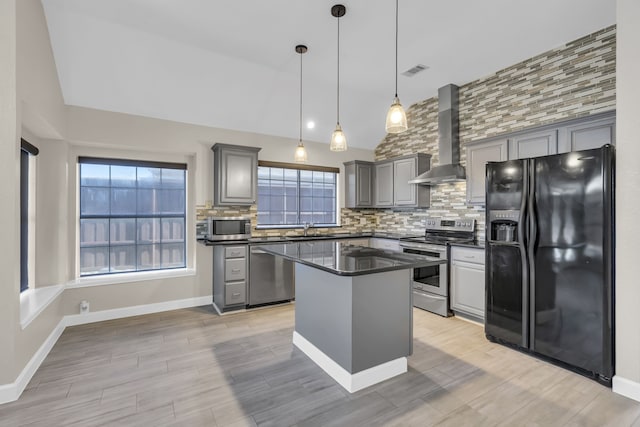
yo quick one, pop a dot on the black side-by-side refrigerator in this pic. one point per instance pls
(550, 258)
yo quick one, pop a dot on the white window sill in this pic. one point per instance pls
(113, 279)
(34, 301)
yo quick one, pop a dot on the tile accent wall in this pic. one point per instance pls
(574, 80)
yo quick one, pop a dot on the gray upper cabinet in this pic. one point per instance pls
(383, 194)
(588, 134)
(358, 184)
(478, 155)
(235, 175)
(533, 144)
(405, 169)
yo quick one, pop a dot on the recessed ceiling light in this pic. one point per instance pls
(311, 124)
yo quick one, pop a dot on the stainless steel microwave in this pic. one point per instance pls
(228, 228)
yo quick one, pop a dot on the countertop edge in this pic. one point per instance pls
(426, 263)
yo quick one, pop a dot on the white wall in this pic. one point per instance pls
(40, 96)
(107, 134)
(124, 131)
(628, 194)
(10, 178)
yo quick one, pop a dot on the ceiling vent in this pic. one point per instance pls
(414, 70)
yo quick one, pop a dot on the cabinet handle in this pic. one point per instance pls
(235, 270)
(235, 294)
(469, 257)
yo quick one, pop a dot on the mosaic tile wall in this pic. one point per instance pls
(361, 220)
(571, 81)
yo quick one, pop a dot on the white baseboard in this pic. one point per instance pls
(351, 382)
(12, 391)
(625, 387)
(136, 310)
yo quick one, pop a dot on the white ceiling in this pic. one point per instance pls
(232, 64)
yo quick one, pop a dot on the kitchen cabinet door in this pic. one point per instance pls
(467, 280)
(403, 192)
(533, 144)
(358, 184)
(235, 175)
(587, 135)
(477, 157)
(405, 169)
(383, 195)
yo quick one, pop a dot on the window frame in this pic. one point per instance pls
(27, 152)
(160, 216)
(299, 168)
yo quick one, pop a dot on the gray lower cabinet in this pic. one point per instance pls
(358, 184)
(230, 273)
(467, 282)
(235, 175)
(383, 188)
(478, 154)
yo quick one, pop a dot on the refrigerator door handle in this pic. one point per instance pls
(531, 246)
(522, 242)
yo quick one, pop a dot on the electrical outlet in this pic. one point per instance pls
(208, 204)
(84, 306)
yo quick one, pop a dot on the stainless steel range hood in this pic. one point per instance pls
(449, 169)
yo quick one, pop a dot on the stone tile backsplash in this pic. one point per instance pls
(570, 81)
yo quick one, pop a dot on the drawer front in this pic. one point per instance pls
(235, 293)
(467, 255)
(234, 269)
(235, 252)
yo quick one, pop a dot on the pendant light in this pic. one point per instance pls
(338, 140)
(396, 117)
(300, 155)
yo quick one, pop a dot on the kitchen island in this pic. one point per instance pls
(353, 313)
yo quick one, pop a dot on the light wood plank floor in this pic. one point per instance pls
(191, 367)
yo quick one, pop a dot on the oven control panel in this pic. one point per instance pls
(460, 224)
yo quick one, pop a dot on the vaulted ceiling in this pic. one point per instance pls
(232, 64)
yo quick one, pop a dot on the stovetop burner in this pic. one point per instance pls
(442, 231)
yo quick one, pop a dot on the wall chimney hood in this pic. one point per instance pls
(449, 169)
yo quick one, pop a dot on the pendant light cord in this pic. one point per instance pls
(301, 97)
(338, 85)
(396, 48)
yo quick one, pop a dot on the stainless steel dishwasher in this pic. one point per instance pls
(271, 278)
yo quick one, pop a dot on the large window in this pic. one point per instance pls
(132, 216)
(292, 195)
(26, 211)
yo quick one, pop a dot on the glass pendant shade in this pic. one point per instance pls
(300, 155)
(338, 140)
(396, 118)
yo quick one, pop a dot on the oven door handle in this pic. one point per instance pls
(433, 297)
(420, 247)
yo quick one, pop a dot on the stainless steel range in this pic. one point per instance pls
(431, 284)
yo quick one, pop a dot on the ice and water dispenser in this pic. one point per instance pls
(504, 225)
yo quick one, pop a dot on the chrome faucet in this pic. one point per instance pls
(307, 225)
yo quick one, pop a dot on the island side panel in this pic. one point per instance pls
(382, 318)
(323, 312)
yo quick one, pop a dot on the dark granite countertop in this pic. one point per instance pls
(343, 259)
(477, 244)
(300, 238)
